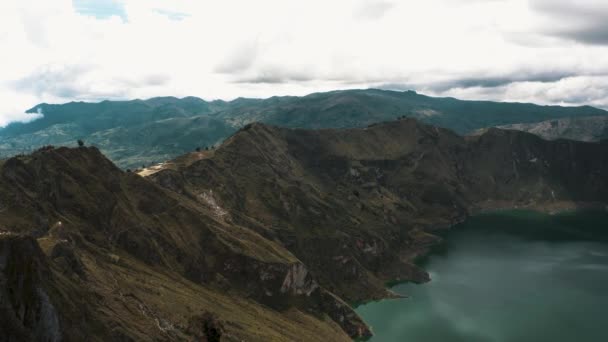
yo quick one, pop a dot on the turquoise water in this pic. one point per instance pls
(507, 277)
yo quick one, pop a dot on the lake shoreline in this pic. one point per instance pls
(420, 255)
(517, 244)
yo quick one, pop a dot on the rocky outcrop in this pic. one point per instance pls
(26, 312)
(298, 281)
(206, 328)
(343, 314)
(63, 254)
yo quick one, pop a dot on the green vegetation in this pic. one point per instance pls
(139, 132)
(129, 132)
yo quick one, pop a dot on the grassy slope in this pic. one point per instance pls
(138, 262)
(141, 301)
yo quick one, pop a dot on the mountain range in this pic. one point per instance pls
(270, 236)
(142, 132)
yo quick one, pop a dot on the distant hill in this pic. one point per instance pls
(138, 132)
(582, 129)
(131, 133)
(359, 108)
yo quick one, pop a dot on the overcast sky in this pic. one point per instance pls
(543, 51)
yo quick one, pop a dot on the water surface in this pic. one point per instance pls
(507, 277)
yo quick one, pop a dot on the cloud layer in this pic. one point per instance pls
(545, 51)
(584, 21)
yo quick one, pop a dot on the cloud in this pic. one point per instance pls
(273, 74)
(570, 91)
(493, 81)
(240, 59)
(373, 10)
(13, 109)
(82, 82)
(583, 21)
(177, 16)
(55, 80)
(499, 49)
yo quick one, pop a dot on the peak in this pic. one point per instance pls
(254, 125)
(36, 108)
(50, 160)
(255, 128)
(50, 151)
(170, 99)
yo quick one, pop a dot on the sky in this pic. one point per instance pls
(541, 51)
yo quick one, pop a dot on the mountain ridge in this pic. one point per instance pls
(103, 229)
(140, 132)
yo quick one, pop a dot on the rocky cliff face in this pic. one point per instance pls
(268, 237)
(26, 310)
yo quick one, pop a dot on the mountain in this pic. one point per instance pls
(359, 108)
(89, 252)
(132, 133)
(346, 202)
(583, 129)
(268, 237)
(136, 133)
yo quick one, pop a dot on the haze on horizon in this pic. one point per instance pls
(541, 51)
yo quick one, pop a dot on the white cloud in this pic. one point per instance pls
(498, 49)
(576, 90)
(373, 9)
(582, 20)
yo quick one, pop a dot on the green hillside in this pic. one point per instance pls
(134, 133)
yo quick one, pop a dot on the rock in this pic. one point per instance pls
(63, 254)
(298, 281)
(205, 327)
(26, 311)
